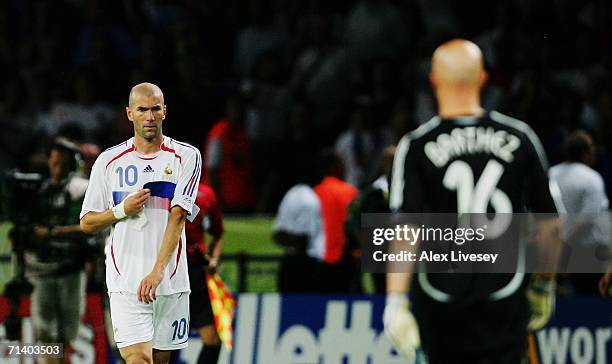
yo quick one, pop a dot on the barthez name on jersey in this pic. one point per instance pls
(429, 256)
(472, 140)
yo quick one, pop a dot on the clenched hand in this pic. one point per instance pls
(134, 203)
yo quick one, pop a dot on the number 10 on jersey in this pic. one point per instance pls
(130, 177)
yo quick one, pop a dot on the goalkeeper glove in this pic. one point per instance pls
(541, 297)
(400, 325)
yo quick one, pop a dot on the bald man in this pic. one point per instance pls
(143, 189)
(468, 160)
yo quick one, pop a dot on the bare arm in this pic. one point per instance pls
(216, 232)
(174, 228)
(400, 282)
(65, 231)
(94, 222)
(400, 325)
(68, 231)
(214, 251)
(550, 237)
(176, 223)
(541, 291)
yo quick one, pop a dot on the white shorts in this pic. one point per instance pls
(165, 322)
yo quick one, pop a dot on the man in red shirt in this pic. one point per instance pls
(337, 271)
(228, 161)
(201, 261)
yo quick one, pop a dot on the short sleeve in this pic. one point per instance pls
(187, 184)
(285, 217)
(406, 190)
(296, 213)
(96, 193)
(595, 199)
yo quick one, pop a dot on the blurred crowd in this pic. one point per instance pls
(259, 84)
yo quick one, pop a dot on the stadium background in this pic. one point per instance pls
(66, 68)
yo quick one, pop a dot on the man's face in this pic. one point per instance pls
(147, 113)
(59, 164)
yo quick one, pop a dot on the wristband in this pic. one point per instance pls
(119, 211)
(397, 299)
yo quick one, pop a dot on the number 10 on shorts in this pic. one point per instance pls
(180, 329)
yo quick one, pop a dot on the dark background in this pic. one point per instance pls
(307, 70)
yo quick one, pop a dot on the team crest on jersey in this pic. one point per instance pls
(167, 170)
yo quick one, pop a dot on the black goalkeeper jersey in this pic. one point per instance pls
(490, 163)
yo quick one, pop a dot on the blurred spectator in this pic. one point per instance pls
(337, 271)
(228, 162)
(55, 258)
(89, 152)
(322, 76)
(373, 199)
(383, 88)
(360, 148)
(85, 112)
(401, 120)
(584, 197)
(301, 146)
(298, 229)
(94, 267)
(552, 60)
(266, 123)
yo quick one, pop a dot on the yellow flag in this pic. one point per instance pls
(223, 305)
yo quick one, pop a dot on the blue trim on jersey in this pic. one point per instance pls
(199, 170)
(161, 188)
(195, 189)
(183, 144)
(197, 180)
(119, 196)
(195, 170)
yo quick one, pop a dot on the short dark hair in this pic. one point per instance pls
(329, 163)
(576, 145)
(65, 145)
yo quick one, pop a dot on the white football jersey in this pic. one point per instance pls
(172, 175)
